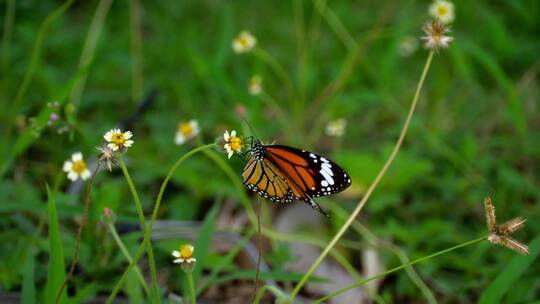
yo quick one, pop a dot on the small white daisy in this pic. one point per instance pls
(76, 167)
(184, 255)
(186, 131)
(255, 85)
(442, 10)
(336, 127)
(118, 140)
(233, 143)
(244, 42)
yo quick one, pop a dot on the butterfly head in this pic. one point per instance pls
(257, 149)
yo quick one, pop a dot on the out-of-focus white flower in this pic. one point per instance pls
(255, 85)
(244, 42)
(336, 127)
(407, 46)
(186, 131)
(442, 10)
(76, 167)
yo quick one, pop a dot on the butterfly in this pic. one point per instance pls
(285, 174)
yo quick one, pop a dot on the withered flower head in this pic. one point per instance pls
(435, 37)
(500, 234)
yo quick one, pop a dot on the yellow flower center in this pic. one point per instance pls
(78, 167)
(442, 10)
(236, 143)
(186, 251)
(185, 128)
(244, 41)
(118, 139)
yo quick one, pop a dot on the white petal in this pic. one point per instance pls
(230, 153)
(86, 174)
(128, 143)
(73, 176)
(67, 166)
(233, 133)
(176, 253)
(191, 260)
(108, 135)
(177, 261)
(226, 135)
(128, 134)
(76, 156)
(113, 147)
(179, 138)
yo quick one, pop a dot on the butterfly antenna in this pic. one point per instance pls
(249, 126)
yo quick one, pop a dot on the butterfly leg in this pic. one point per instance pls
(313, 204)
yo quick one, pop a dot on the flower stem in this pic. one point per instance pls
(191, 288)
(383, 274)
(128, 257)
(148, 245)
(87, 201)
(371, 188)
(146, 239)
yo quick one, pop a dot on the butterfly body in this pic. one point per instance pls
(285, 174)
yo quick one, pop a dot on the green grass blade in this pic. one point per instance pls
(509, 276)
(28, 294)
(56, 272)
(202, 245)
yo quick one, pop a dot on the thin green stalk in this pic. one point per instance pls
(136, 54)
(89, 49)
(234, 177)
(383, 274)
(373, 185)
(295, 238)
(278, 69)
(148, 231)
(191, 288)
(138, 206)
(128, 257)
(278, 293)
(401, 255)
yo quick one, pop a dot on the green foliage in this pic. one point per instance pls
(56, 273)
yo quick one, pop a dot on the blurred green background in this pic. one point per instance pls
(476, 132)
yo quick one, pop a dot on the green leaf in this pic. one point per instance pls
(133, 288)
(509, 276)
(202, 245)
(56, 272)
(28, 295)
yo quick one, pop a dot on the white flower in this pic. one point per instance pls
(244, 42)
(435, 38)
(118, 140)
(442, 10)
(255, 85)
(76, 167)
(336, 127)
(233, 143)
(186, 131)
(407, 46)
(184, 255)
